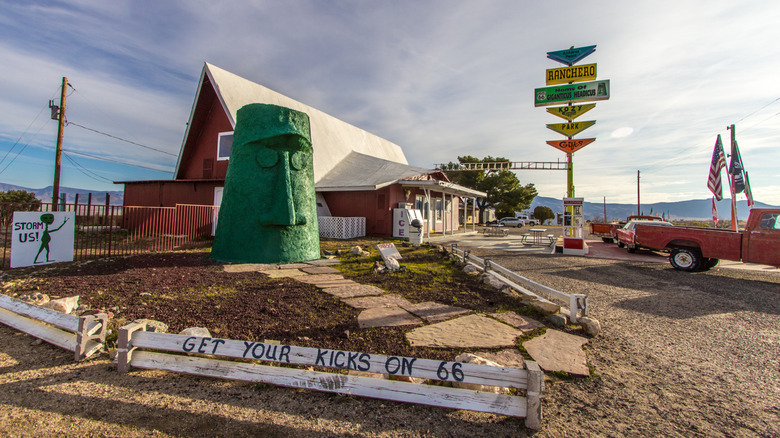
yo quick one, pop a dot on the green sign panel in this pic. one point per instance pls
(582, 92)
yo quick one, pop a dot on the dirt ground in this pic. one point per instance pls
(681, 355)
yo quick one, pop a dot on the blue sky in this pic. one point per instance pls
(439, 78)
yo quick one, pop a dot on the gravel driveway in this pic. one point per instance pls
(680, 355)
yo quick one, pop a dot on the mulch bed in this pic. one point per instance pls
(188, 289)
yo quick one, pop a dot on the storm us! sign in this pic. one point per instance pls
(41, 238)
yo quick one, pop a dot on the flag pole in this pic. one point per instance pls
(734, 221)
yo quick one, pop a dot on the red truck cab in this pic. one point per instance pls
(694, 248)
(627, 235)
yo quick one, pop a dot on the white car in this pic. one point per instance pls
(511, 222)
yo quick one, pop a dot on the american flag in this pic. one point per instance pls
(718, 164)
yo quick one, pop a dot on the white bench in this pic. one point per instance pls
(83, 335)
(134, 341)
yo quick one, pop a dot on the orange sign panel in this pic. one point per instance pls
(570, 146)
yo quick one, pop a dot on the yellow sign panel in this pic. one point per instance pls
(577, 73)
(571, 129)
(571, 112)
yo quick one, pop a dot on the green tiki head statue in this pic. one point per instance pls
(269, 211)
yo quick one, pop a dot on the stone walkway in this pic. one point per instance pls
(442, 326)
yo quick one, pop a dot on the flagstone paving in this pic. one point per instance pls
(352, 291)
(320, 270)
(320, 278)
(386, 300)
(248, 267)
(472, 331)
(518, 321)
(558, 351)
(386, 317)
(431, 311)
(324, 262)
(508, 358)
(284, 273)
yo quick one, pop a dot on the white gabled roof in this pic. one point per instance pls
(332, 139)
(363, 172)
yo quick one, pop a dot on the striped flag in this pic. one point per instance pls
(718, 164)
(714, 212)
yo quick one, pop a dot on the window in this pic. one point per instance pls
(224, 144)
(770, 221)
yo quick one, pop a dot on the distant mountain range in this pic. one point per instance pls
(44, 194)
(693, 209)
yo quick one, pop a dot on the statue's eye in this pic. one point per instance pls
(266, 157)
(299, 160)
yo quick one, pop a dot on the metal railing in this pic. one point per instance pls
(578, 303)
(112, 230)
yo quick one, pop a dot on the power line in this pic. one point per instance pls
(22, 149)
(86, 171)
(770, 103)
(114, 161)
(121, 139)
(27, 130)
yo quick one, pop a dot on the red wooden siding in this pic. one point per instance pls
(170, 193)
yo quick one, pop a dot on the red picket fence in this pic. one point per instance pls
(112, 230)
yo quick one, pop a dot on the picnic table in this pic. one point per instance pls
(537, 236)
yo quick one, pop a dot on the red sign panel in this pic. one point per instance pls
(570, 146)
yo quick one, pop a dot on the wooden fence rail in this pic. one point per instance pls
(83, 335)
(133, 341)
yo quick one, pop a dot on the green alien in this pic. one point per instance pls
(268, 212)
(47, 219)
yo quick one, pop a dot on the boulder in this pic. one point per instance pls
(591, 326)
(36, 298)
(545, 306)
(63, 305)
(493, 282)
(201, 332)
(473, 358)
(154, 326)
(358, 251)
(558, 320)
(392, 264)
(469, 269)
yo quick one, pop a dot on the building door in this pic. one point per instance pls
(217, 203)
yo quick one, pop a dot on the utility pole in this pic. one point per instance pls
(55, 195)
(638, 204)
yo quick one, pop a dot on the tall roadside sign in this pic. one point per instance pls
(568, 86)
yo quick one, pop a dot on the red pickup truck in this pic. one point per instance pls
(608, 231)
(694, 248)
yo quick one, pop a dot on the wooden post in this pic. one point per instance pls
(533, 416)
(55, 194)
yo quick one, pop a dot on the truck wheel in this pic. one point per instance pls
(606, 239)
(708, 263)
(685, 259)
(631, 250)
(620, 244)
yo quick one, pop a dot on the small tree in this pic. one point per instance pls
(543, 213)
(17, 200)
(504, 192)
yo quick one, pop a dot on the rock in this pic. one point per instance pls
(63, 305)
(356, 250)
(201, 332)
(591, 326)
(392, 264)
(545, 306)
(473, 358)
(379, 268)
(557, 319)
(469, 269)
(36, 298)
(327, 252)
(441, 249)
(154, 326)
(36, 342)
(89, 312)
(493, 282)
